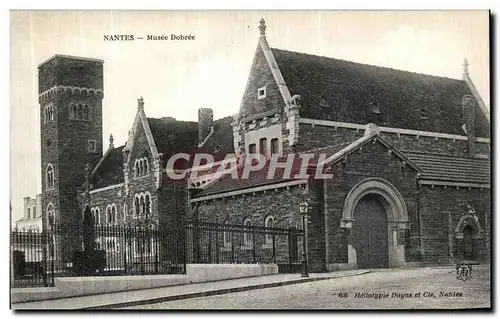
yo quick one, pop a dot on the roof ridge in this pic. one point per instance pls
(324, 147)
(446, 155)
(369, 65)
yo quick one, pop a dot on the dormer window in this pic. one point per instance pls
(261, 93)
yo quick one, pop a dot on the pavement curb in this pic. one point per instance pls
(215, 292)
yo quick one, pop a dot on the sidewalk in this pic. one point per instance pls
(156, 295)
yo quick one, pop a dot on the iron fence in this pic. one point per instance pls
(210, 243)
(111, 250)
(83, 250)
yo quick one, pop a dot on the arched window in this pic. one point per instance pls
(136, 208)
(111, 213)
(72, 111)
(247, 235)
(50, 215)
(141, 167)
(148, 205)
(49, 174)
(97, 215)
(269, 223)
(86, 112)
(79, 115)
(125, 207)
(143, 205)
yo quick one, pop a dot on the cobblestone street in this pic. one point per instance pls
(424, 288)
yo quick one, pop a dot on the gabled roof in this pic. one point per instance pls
(339, 155)
(452, 168)
(338, 90)
(110, 169)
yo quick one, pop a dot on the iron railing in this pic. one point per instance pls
(210, 243)
(147, 249)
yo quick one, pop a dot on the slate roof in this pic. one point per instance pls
(339, 90)
(172, 136)
(452, 168)
(110, 172)
(259, 177)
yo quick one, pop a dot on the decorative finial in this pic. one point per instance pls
(111, 139)
(140, 103)
(466, 67)
(262, 27)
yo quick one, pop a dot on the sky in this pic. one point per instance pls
(175, 78)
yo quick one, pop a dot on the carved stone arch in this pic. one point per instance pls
(468, 220)
(393, 202)
(84, 92)
(76, 91)
(91, 92)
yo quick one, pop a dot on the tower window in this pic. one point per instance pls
(50, 215)
(86, 113)
(92, 146)
(79, 112)
(72, 111)
(261, 93)
(49, 176)
(48, 113)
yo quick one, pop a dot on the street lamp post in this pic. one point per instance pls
(304, 209)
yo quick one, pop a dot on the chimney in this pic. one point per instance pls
(469, 117)
(205, 123)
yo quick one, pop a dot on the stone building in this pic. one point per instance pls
(407, 157)
(32, 217)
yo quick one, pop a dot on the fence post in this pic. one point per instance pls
(44, 256)
(217, 248)
(232, 246)
(253, 245)
(290, 249)
(274, 248)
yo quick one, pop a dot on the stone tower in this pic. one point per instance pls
(70, 97)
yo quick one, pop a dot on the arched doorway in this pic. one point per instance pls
(468, 243)
(369, 233)
(375, 217)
